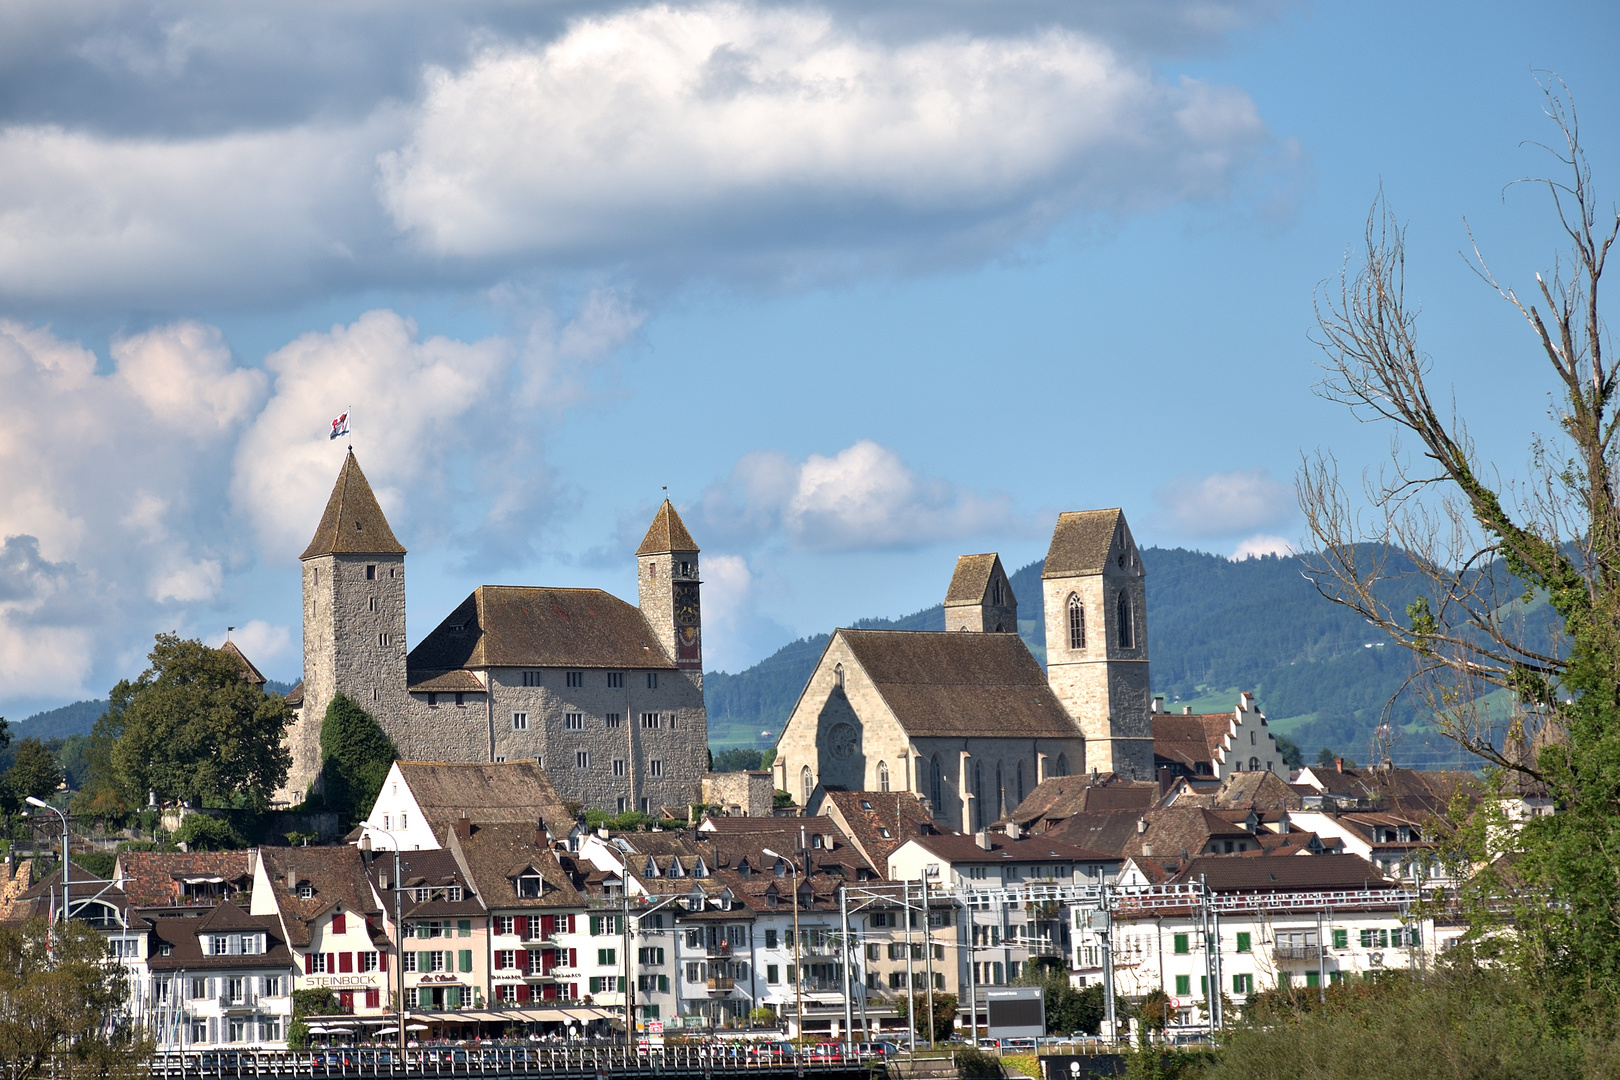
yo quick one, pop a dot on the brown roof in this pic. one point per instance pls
(1080, 542)
(494, 854)
(732, 839)
(156, 878)
(971, 579)
(249, 672)
(1189, 738)
(187, 950)
(520, 626)
(489, 793)
(1111, 832)
(666, 534)
(337, 874)
(867, 815)
(353, 523)
(1059, 797)
(939, 683)
(1260, 790)
(458, 680)
(959, 848)
(295, 696)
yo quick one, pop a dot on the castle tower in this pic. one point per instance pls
(667, 577)
(980, 598)
(354, 620)
(1095, 594)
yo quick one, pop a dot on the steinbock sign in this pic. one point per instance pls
(341, 982)
(1016, 1012)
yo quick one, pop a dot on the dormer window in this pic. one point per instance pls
(651, 868)
(528, 885)
(675, 868)
(306, 892)
(700, 869)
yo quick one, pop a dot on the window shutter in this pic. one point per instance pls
(465, 958)
(382, 960)
(663, 984)
(596, 925)
(523, 992)
(463, 928)
(570, 924)
(309, 963)
(1183, 985)
(340, 923)
(345, 962)
(424, 961)
(1341, 939)
(548, 925)
(573, 956)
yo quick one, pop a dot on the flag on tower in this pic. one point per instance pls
(340, 426)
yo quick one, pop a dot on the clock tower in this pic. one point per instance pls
(668, 587)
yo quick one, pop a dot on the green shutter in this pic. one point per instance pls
(1182, 948)
(1243, 942)
(424, 961)
(596, 925)
(1203, 985)
(621, 984)
(465, 958)
(1366, 939)
(1313, 978)
(663, 982)
(1183, 985)
(463, 928)
(452, 997)
(1341, 939)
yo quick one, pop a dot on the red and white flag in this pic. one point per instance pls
(340, 426)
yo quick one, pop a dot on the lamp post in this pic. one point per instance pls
(43, 805)
(798, 961)
(399, 938)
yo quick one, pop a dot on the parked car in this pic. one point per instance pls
(827, 1051)
(878, 1049)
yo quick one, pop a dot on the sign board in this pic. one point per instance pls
(1016, 1012)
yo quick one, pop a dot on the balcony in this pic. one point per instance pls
(1284, 954)
(718, 950)
(721, 984)
(1040, 947)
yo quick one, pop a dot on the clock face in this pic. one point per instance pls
(843, 740)
(686, 605)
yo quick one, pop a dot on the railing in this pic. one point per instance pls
(721, 983)
(1294, 952)
(495, 1061)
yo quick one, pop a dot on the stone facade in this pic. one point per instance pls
(741, 794)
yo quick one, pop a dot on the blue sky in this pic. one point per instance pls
(865, 286)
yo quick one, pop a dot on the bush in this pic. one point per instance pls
(974, 1064)
(200, 832)
(98, 864)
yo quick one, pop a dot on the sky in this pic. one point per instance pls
(860, 286)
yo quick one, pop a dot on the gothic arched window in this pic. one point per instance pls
(807, 783)
(1020, 781)
(1001, 792)
(1127, 626)
(936, 785)
(883, 776)
(995, 592)
(838, 675)
(978, 795)
(1063, 765)
(1077, 622)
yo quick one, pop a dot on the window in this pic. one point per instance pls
(619, 767)
(807, 784)
(528, 885)
(1254, 764)
(770, 939)
(573, 721)
(371, 573)
(306, 892)
(520, 721)
(1244, 984)
(385, 640)
(672, 720)
(995, 592)
(655, 767)
(505, 924)
(576, 678)
(433, 701)
(1243, 941)
(936, 786)
(372, 604)
(773, 973)
(1341, 939)
(582, 759)
(883, 776)
(1077, 622)
(1182, 946)
(607, 957)
(1020, 781)
(615, 680)
(652, 680)
(461, 699)
(272, 986)
(531, 678)
(1127, 625)
(612, 721)
(368, 961)
(1063, 765)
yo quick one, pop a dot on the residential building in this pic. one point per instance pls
(420, 801)
(223, 978)
(331, 921)
(1215, 745)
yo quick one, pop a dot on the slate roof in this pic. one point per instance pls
(187, 951)
(939, 683)
(155, 878)
(1270, 875)
(295, 696)
(1060, 797)
(338, 875)
(971, 580)
(487, 793)
(353, 523)
(1081, 542)
(867, 815)
(494, 854)
(666, 534)
(249, 672)
(530, 626)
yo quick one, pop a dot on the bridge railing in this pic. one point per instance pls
(486, 1060)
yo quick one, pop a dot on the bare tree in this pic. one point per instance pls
(1479, 553)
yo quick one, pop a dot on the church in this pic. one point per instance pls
(607, 696)
(965, 717)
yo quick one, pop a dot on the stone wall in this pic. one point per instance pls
(745, 794)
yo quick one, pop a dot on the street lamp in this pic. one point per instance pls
(42, 804)
(798, 961)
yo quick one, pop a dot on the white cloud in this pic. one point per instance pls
(261, 642)
(1255, 546)
(1222, 504)
(863, 497)
(185, 375)
(665, 129)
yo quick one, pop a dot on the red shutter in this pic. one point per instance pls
(309, 963)
(523, 992)
(345, 962)
(340, 923)
(373, 998)
(570, 924)
(331, 962)
(573, 955)
(573, 988)
(548, 925)
(382, 960)
(523, 927)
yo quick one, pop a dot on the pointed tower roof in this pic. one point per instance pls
(353, 523)
(666, 534)
(249, 672)
(1081, 542)
(972, 579)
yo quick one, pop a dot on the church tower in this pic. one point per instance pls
(667, 577)
(354, 620)
(980, 598)
(1095, 593)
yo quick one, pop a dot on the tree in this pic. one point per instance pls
(34, 772)
(1154, 1012)
(201, 832)
(191, 727)
(1292, 755)
(356, 755)
(1068, 1010)
(1517, 587)
(1327, 758)
(944, 1014)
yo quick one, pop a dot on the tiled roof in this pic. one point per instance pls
(666, 534)
(458, 680)
(869, 815)
(249, 672)
(295, 696)
(1111, 832)
(971, 579)
(493, 853)
(156, 878)
(521, 626)
(337, 875)
(1189, 738)
(187, 951)
(939, 683)
(488, 793)
(1059, 797)
(353, 523)
(1081, 542)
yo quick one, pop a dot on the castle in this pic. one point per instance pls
(606, 696)
(965, 717)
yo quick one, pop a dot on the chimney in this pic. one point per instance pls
(1141, 826)
(982, 838)
(365, 842)
(462, 826)
(1158, 704)
(292, 880)
(1338, 763)
(1012, 830)
(1186, 710)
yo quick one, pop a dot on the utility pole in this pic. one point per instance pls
(399, 950)
(911, 975)
(972, 975)
(624, 934)
(798, 959)
(1321, 960)
(843, 919)
(928, 961)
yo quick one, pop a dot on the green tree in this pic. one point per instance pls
(34, 771)
(1486, 557)
(63, 1001)
(202, 832)
(944, 1014)
(1327, 758)
(356, 755)
(1068, 1010)
(1292, 755)
(191, 727)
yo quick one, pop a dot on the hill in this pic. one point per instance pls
(1215, 627)
(79, 717)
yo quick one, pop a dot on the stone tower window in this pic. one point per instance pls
(838, 675)
(1020, 781)
(1001, 792)
(371, 573)
(1063, 765)
(995, 592)
(806, 783)
(883, 776)
(1254, 764)
(1077, 622)
(978, 795)
(1127, 626)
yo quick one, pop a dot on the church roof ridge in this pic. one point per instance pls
(667, 533)
(353, 523)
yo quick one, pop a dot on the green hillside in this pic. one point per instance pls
(1215, 627)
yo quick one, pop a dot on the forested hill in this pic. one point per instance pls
(1215, 627)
